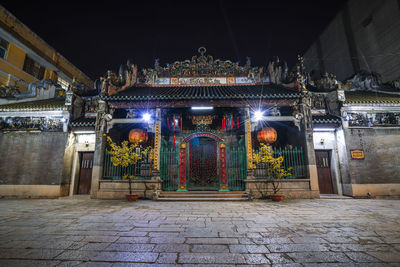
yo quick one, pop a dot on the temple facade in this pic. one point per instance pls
(199, 122)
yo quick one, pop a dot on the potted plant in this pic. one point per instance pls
(130, 197)
(274, 170)
(124, 156)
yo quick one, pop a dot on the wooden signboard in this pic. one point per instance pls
(357, 154)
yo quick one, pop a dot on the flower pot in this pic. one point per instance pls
(131, 197)
(276, 197)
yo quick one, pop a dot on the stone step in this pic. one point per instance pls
(201, 199)
(203, 196)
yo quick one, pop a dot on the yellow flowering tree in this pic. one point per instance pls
(275, 168)
(125, 155)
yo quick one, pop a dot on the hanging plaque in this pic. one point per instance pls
(357, 154)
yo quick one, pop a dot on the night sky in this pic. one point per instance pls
(97, 36)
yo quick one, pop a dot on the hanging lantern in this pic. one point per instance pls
(267, 136)
(138, 136)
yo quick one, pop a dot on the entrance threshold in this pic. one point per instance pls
(334, 196)
(203, 196)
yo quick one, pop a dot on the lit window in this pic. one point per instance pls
(64, 84)
(3, 48)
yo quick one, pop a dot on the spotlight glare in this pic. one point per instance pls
(258, 115)
(146, 117)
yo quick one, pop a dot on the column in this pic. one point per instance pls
(222, 155)
(249, 149)
(308, 132)
(182, 168)
(100, 144)
(157, 140)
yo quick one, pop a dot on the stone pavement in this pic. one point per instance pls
(81, 231)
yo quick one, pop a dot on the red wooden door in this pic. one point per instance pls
(203, 165)
(85, 174)
(324, 171)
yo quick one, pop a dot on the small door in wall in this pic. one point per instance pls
(85, 174)
(324, 171)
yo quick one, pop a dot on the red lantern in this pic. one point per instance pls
(138, 136)
(267, 136)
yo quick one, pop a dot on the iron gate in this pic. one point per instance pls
(236, 166)
(169, 167)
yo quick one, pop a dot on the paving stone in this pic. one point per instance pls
(210, 248)
(320, 257)
(81, 255)
(172, 248)
(84, 232)
(361, 257)
(134, 240)
(212, 241)
(256, 259)
(385, 256)
(238, 249)
(94, 246)
(297, 247)
(167, 258)
(257, 249)
(279, 258)
(126, 256)
(203, 258)
(24, 263)
(130, 247)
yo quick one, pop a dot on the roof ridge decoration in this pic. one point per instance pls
(201, 70)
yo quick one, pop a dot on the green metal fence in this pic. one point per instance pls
(169, 168)
(141, 170)
(293, 159)
(236, 167)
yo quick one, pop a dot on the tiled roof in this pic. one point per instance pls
(84, 122)
(325, 119)
(46, 104)
(363, 97)
(205, 92)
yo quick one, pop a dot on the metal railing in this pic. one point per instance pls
(293, 161)
(141, 170)
(169, 167)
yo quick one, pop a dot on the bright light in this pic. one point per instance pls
(63, 120)
(202, 108)
(324, 129)
(258, 115)
(146, 116)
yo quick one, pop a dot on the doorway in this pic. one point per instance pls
(203, 165)
(322, 158)
(85, 173)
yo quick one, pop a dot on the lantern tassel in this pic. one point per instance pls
(231, 122)
(174, 141)
(168, 123)
(237, 122)
(181, 124)
(173, 125)
(231, 140)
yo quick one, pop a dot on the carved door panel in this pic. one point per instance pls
(324, 171)
(203, 164)
(85, 174)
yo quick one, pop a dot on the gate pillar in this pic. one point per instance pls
(182, 168)
(222, 154)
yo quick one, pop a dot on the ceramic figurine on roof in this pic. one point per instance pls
(113, 83)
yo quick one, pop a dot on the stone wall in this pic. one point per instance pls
(379, 172)
(290, 188)
(117, 189)
(382, 155)
(32, 158)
